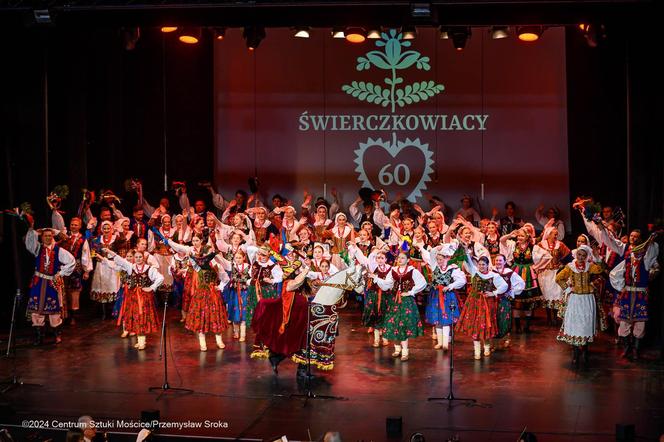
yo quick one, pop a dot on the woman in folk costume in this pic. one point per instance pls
(517, 247)
(417, 260)
(266, 277)
(289, 224)
(124, 237)
(548, 256)
(402, 320)
(162, 253)
(207, 312)
(182, 233)
(579, 307)
(262, 228)
(338, 237)
(321, 220)
(239, 273)
(443, 309)
(304, 245)
(478, 316)
(138, 314)
(515, 286)
(236, 243)
(105, 281)
(124, 280)
(376, 299)
(321, 252)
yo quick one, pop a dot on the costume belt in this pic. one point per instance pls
(629, 288)
(47, 277)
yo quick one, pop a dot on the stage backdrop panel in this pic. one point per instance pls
(412, 117)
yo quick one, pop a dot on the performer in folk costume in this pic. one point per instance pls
(304, 245)
(321, 253)
(124, 237)
(491, 240)
(443, 309)
(402, 320)
(138, 313)
(478, 316)
(515, 286)
(548, 256)
(239, 272)
(510, 222)
(162, 253)
(289, 224)
(338, 237)
(105, 281)
(52, 264)
(182, 233)
(376, 300)
(551, 219)
(262, 228)
(517, 247)
(206, 312)
(321, 221)
(266, 275)
(76, 244)
(178, 268)
(281, 324)
(124, 281)
(580, 309)
(631, 278)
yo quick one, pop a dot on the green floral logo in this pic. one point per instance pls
(393, 58)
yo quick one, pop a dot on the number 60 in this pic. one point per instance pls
(400, 176)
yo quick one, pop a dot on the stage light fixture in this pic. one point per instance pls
(253, 35)
(338, 33)
(420, 10)
(190, 36)
(219, 33)
(42, 16)
(168, 29)
(302, 31)
(409, 32)
(460, 36)
(355, 34)
(593, 33)
(499, 32)
(444, 33)
(529, 33)
(373, 34)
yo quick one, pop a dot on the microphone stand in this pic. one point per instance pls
(450, 396)
(165, 387)
(308, 392)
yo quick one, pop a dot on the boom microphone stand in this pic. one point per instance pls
(450, 396)
(165, 387)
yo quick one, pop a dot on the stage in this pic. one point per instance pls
(530, 385)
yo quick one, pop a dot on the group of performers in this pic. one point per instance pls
(260, 268)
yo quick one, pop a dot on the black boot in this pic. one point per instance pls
(575, 356)
(72, 317)
(627, 345)
(302, 372)
(549, 321)
(39, 336)
(586, 354)
(58, 335)
(637, 348)
(526, 329)
(517, 325)
(103, 311)
(275, 359)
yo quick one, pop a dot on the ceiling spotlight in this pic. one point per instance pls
(420, 10)
(219, 33)
(499, 32)
(355, 35)
(253, 35)
(460, 36)
(409, 32)
(444, 33)
(302, 32)
(338, 33)
(529, 33)
(167, 29)
(373, 34)
(190, 36)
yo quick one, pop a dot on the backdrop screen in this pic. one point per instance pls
(412, 117)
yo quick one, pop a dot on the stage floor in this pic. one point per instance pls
(530, 385)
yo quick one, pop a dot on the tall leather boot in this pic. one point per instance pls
(575, 355)
(526, 329)
(627, 347)
(549, 321)
(637, 348)
(517, 325)
(39, 336)
(57, 331)
(275, 359)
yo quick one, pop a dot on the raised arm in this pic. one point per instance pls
(32, 242)
(57, 221)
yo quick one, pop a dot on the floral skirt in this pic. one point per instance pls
(207, 312)
(441, 317)
(503, 316)
(402, 320)
(237, 305)
(138, 313)
(375, 307)
(478, 317)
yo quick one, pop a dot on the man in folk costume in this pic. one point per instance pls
(76, 244)
(46, 287)
(631, 278)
